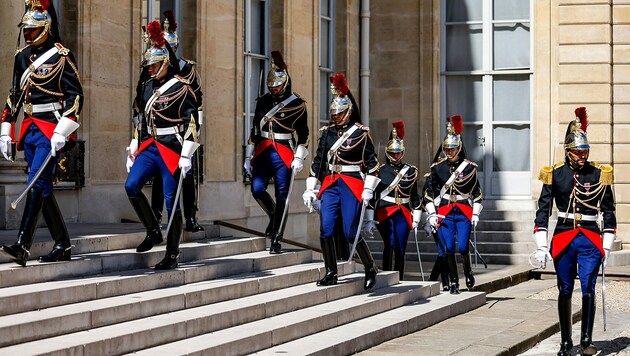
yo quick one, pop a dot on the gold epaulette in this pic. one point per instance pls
(61, 49)
(438, 162)
(427, 175)
(558, 165)
(606, 177)
(299, 96)
(471, 162)
(325, 127)
(546, 174)
(191, 62)
(182, 79)
(362, 127)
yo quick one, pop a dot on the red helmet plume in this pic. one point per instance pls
(170, 16)
(278, 60)
(154, 30)
(580, 113)
(339, 83)
(458, 123)
(400, 129)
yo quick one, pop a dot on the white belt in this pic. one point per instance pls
(163, 131)
(454, 197)
(38, 108)
(276, 136)
(343, 168)
(577, 217)
(396, 200)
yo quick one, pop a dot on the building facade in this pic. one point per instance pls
(514, 69)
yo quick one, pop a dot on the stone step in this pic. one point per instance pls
(122, 260)
(228, 315)
(362, 334)
(278, 329)
(43, 295)
(73, 317)
(90, 238)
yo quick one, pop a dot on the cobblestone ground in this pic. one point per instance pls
(617, 304)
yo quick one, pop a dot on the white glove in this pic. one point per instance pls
(297, 165)
(607, 241)
(542, 252)
(57, 141)
(309, 195)
(130, 160)
(474, 220)
(428, 228)
(248, 166)
(185, 164)
(367, 195)
(5, 142)
(417, 216)
(433, 220)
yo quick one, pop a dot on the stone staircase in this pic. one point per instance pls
(504, 237)
(228, 296)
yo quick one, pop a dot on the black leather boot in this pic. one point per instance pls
(330, 261)
(399, 265)
(189, 193)
(278, 229)
(147, 217)
(437, 268)
(269, 207)
(19, 251)
(444, 274)
(58, 231)
(388, 254)
(157, 197)
(468, 273)
(452, 271)
(566, 321)
(172, 244)
(343, 248)
(368, 264)
(588, 318)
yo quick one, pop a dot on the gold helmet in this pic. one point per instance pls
(575, 138)
(278, 74)
(454, 128)
(395, 143)
(36, 16)
(339, 89)
(157, 51)
(170, 26)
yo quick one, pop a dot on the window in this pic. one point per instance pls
(256, 46)
(487, 77)
(326, 56)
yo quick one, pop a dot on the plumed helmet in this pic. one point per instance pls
(454, 128)
(157, 50)
(170, 26)
(575, 138)
(37, 15)
(278, 74)
(341, 99)
(395, 143)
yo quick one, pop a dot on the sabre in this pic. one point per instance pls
(415, 234)
(30, 185)
(485, 265)
(175, 202)
(475, 241)
(356, 237)
(286, 203)
(604, 295)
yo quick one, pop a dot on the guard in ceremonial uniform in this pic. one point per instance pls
(346, 165)
(453, 182)
(46, 83)
(277, 146)
(164, 142)
(582, 190)
(188, 71)
(397, 202)
(440, 267)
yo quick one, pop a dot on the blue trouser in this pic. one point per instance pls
(583, 253)
(147, 164)
(268, 164)
(454, 226)
(338, 202)
(36, 148)
(395, 231)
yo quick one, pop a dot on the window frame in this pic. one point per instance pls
(324, 94)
